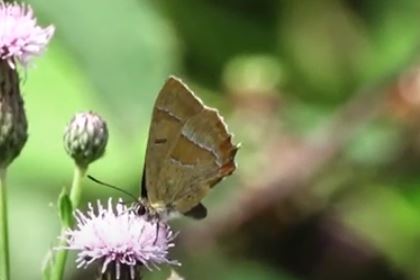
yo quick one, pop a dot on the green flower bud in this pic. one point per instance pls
(85, 138)
(13, 123)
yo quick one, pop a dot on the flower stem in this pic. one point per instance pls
(75, 195)
(76, 187)
(4, 235)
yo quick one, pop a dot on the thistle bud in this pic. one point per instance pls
(85, 138)
(13, 124)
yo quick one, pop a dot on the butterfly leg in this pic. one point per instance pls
(157, 232)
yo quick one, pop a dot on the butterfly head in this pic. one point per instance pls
(155, 211)
(140, 209)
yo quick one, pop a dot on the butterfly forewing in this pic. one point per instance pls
(189, 149)
(172, 109)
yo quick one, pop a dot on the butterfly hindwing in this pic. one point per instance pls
(197, 212)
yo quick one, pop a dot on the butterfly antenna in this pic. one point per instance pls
(112, 187)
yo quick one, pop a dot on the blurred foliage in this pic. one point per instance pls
(278, 71)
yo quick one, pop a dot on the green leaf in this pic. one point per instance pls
(65, 208)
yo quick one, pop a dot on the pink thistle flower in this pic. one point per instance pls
(120, 240)
(21, 38)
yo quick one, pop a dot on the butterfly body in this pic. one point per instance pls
(189, 150)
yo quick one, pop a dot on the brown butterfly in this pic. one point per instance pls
(189, 150)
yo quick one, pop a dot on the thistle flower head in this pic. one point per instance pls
(85, 138)
(120, 240)
(21, 38)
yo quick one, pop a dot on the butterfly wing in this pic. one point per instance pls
(198, 212)
(189, 149)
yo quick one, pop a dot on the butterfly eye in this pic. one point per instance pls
(140, 210)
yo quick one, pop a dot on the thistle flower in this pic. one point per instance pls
(121, 241)
(21, 38)
(85, 138)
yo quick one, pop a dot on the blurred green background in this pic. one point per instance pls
(323, 95)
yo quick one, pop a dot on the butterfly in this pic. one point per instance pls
(189, 150)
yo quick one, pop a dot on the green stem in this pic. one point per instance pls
(75, 195)
(76, 187)
(4, 235)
